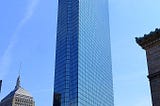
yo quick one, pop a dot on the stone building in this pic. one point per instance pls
(18, 97)
(151, 43)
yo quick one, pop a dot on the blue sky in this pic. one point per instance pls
(27, 35)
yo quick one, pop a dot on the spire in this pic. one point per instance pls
(18, 79)
(18, 83)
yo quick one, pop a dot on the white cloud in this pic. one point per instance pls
(30, 10)
(5, 59)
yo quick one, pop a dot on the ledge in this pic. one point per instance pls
(149, 39)
(154, 76)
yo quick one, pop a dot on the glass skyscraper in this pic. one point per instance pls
(83, 71)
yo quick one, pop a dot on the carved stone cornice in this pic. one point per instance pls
(149, 40)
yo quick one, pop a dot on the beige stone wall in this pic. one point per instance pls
(25, 101)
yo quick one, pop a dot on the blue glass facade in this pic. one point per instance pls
(83, 74)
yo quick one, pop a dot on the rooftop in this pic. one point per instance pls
(17, 90)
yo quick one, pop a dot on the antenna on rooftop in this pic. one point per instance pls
(20, 67)
(18, 79)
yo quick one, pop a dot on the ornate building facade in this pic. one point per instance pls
(151, 43)
(18, 97)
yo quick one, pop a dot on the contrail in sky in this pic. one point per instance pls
(5, 59)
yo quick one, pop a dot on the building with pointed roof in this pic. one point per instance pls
(18, 97)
